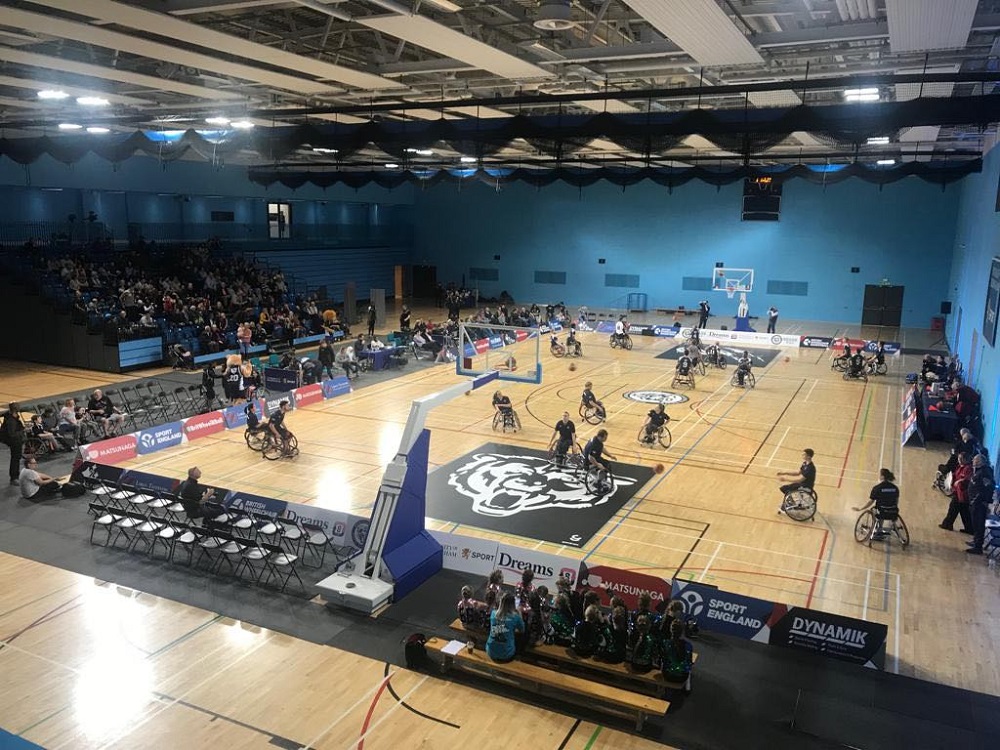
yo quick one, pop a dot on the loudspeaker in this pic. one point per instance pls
(946, 308)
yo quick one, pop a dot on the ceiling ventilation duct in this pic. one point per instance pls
(554, 15)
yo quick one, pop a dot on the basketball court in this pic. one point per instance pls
(704, 509)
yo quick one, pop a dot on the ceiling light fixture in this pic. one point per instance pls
(242, 124)
(98, 130)
(321, 150)
(468, 160)
(882, 140)
(52, 94)
(861, 95)
(69, 126)
(886, 162)
(445, 5)
(392, 165)
(420, 151)
(554, 15)
(217, 120)
(92, 101)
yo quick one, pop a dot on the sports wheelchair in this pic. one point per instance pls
(623, 342)
(840, 363)
(749, 381)
(571, 461)
(713, 356)
(598, 481)
(873, 526)
(272, 449)
(686, 380)
(592, 414)
(799, 504)
(506, 419)
(659, 435)
(861, 375)
(874, 367)
(256, 437)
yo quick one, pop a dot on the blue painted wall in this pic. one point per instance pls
(977, 241)
(903, 232)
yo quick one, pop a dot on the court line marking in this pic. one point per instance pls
(819, 561)
(850, 441)
(811, 390)
(347, 711)
(359, 743)
(371, 710)
(780, 416)
(704, 572)
(778, 446)
(572, 730)
(593, 738)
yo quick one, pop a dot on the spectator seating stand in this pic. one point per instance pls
(579, 690)
(562, 657)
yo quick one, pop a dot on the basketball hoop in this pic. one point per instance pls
(731, 288)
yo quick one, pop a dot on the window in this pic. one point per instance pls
(550, 277)
(626, 280)
(484, 274)
(223, 216)
(696, 284)
(279, 220)
(791, 288)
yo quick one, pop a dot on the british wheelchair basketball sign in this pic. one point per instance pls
(655, 397)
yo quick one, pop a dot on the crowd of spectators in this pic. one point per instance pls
(515, 620)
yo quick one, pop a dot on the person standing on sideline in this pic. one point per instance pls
(35, 485)
(704, 309)
(981, 487)
(12, 434)
(326, 358)
(772, 318)
(372, 318)
(244, 335)
(959, 505)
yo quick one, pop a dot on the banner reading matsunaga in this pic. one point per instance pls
(110, 451)
(838, 637)
(629, 585)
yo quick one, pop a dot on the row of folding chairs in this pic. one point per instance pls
(142, 519)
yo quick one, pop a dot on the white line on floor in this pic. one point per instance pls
(711, 560)
(895, 656)
(778, 446)
(868, 588)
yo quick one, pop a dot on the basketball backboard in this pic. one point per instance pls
(732, 280)
(513, 352)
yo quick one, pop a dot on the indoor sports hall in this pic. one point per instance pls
(415, 235)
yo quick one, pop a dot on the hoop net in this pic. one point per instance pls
(731, 288)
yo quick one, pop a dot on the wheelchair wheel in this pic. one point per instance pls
(627, 342)
(597, 486)
(881, 368)
(902, 533)
(800, 504)
(271, 450)
(839, 364)
(558, 350)
(33, 446)
(255, 439)
(613, 341)
(700, 367)
(664, 437)
(721, 361)
(750, 380)
(497, 421)
(864, 527)
(591, 414)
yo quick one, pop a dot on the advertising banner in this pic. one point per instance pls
(267, 406)
(144, 481)
(205, 424)
(157, 438)
(521, 335)
(891, 347)
(844, 638)
(468, 554)
(513, 561)
(838, 343)
(308, 395)
(730, 614)
(276, 379)
(337, 386)
(496, 342)
(627, 584)
(744, 337)
(816, 342)
(909, 430)
(110, 451)
(235, 417)
(90, 472)
(482, 345)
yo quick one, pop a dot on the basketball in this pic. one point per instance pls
(658, 468)
(788, 359)
(468, 393)
(572, 366)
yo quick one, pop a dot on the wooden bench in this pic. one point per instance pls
(652, 681)
(573, 689)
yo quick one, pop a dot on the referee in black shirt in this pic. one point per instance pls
(885, 497)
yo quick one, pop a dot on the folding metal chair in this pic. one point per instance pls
(254, 560)
(314, 541)
(281, 567)
(291, 536)
(106, 522)
(135, 412)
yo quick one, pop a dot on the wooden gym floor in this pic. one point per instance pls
(709, 516)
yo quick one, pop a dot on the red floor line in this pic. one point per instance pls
(733, 570)
(851, 441)
(819, 561)
(371, 710)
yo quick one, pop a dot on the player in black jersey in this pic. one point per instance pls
(563, 437)
(655, 420)
(276, 425)
(589, 400)
(885, 497)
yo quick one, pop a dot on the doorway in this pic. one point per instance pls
(883, 306)
(279, 220)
